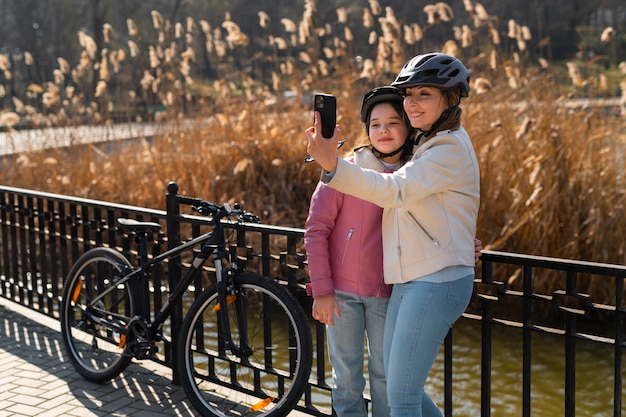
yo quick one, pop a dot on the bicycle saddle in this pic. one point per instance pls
(137, 226)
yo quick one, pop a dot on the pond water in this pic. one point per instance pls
(594, 375)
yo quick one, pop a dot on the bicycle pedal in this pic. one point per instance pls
(143, 349)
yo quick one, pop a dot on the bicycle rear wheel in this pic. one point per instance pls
(267, 383)
(91, 329)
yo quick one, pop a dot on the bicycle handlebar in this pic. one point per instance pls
(208, 208)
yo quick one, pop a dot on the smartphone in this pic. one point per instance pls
(326, 105)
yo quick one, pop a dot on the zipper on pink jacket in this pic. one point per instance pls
(345, 247)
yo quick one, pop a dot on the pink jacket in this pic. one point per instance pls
(343, 239)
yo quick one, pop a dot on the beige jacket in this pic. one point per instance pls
(430, 205)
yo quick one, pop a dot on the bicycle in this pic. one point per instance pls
(245, 345)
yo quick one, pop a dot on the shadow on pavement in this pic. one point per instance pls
(32, 365)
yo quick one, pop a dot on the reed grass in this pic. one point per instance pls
(552, 176)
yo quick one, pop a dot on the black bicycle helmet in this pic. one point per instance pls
(377, 95)
(434, 70)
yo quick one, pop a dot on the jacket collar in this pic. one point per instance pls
(366, 159)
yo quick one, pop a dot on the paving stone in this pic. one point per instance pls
(25, 409)
(36, 380)
(56, 410)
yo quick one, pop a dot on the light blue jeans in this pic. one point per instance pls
(360, 316)
(418, 319)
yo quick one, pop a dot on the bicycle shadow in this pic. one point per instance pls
(31, 346)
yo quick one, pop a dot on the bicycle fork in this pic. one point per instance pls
(225, 298)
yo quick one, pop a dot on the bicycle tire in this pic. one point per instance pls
(220, 384)
(93, 348)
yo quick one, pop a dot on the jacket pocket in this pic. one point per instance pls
(346, 244)
(431, 238)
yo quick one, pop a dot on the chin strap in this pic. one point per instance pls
(446, 113)
(408, 145)
(381, 155)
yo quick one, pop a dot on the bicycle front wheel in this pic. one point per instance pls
(270, 379)
(95, 307)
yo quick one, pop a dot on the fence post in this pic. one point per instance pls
(173, 270)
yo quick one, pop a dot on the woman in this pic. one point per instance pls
(343, 238)
(429, 223)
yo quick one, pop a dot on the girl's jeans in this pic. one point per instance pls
(418, 319)
(346, 348)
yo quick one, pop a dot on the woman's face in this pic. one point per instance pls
(424, 105)
(387, 130)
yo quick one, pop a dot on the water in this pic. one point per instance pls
(594, 375)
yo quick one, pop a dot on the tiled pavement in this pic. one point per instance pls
(35, 379)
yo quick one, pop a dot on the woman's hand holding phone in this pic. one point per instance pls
(325, 126)
(326, 105)
(323, 150)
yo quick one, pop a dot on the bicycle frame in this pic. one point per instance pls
(213, 244)
(108, 316)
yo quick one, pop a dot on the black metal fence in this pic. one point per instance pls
(42, 234)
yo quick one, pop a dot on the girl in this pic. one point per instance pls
(343, 238)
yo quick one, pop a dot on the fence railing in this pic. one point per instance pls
(41, 234)
(508, 292)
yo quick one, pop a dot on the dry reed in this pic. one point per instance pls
(552, 176)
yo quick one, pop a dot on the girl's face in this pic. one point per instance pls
(387, 130)
(424, 105)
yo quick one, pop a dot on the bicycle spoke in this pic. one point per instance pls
(92, 330)
(260, 384)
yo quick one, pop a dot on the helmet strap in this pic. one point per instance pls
(378, 154)
(408, 143)
(444, 116)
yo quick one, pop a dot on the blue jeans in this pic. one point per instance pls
(360, 316)
(418, 319)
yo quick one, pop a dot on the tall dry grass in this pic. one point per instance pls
(552, 177)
